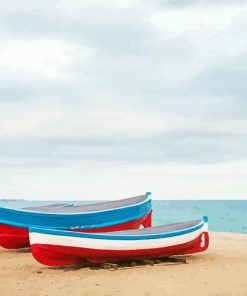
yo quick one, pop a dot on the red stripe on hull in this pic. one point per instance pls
(12, 237)
(53, 255)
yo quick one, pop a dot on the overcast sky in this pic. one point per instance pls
(109, 99)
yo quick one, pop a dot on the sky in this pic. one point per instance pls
(106, 99)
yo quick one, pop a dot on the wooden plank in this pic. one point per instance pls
(174, 259)
(133, 263)
(109, 266)
(151, 262)
(148, 262)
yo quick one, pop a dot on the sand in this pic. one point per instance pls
(222, 271)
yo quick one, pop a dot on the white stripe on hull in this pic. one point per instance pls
(105, 244)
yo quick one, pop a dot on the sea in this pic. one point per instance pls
(223, 215)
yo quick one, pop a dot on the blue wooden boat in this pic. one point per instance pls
(105, 216)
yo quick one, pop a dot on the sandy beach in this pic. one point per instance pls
(222, 270)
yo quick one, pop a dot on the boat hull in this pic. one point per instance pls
(53, 255)
(59, 248)
(12, 237)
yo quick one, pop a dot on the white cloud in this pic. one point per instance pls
(40, 58)
(57, 122)
(93, 83)
(110, 181)
(214, 33)
(231, 169)
(172, 22)
(77, 5)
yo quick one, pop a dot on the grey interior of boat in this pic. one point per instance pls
(93, 207)
(55, 205)
(157, 229)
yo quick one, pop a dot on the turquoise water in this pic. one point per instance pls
(227, 216)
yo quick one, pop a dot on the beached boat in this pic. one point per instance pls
(121, 214)
(59, 248)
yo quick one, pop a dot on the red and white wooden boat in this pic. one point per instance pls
(121, 214)
(59, 248)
